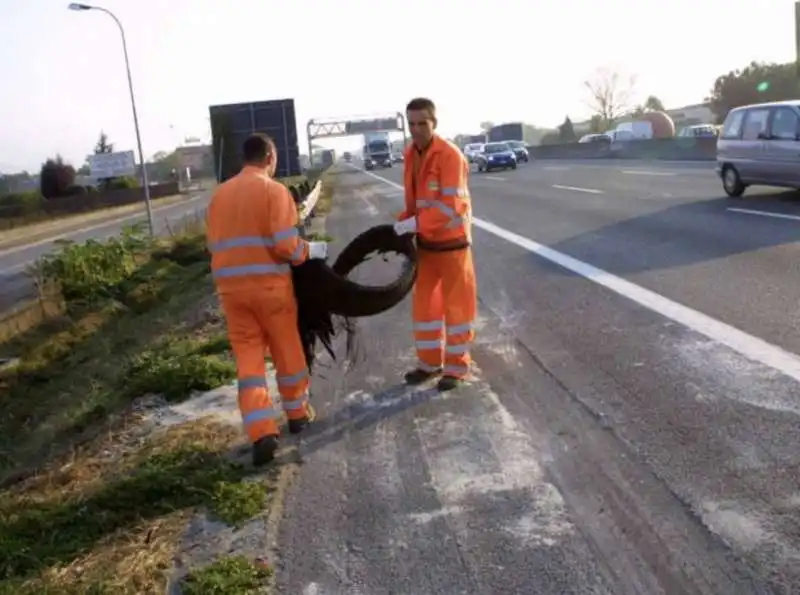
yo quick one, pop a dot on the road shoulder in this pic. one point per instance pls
(508, 483)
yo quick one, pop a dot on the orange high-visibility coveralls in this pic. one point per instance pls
(445, 293)
(253, 239)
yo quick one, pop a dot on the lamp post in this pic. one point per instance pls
(145, 181)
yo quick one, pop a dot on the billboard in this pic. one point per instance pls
(231, 124)
(112, 165)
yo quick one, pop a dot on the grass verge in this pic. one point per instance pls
(95, 499)
(325, 201)
(36, 227)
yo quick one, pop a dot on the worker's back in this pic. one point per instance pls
(251, 232)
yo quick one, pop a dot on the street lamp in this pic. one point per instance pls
(145, 181)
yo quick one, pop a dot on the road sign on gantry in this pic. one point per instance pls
(382, 125)
(354, 127)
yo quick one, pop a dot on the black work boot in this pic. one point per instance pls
(418, 376)
(447, 383)
(298, 425)
(264, 450)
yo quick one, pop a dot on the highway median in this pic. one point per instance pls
(110, 458)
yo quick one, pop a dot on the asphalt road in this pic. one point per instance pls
(16, 285)
(633, 422)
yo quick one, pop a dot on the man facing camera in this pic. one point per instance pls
(438, 211)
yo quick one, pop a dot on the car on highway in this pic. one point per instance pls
(496, 156)
(601, 138)
(520, 150)
(472, 150)
(760, 144)
(348, 156)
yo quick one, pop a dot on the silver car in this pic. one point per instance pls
(760, 144)
(472, 150)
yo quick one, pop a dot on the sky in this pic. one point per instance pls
(62, 74)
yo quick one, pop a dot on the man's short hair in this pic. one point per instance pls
(422, 103)
(257, 147)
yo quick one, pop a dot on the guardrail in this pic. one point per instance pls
(666, 149)
(308, 204)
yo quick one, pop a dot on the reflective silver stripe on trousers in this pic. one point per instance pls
(423, 345)
(260, 415)
(430, 325)
(293, 379)
(295, 405)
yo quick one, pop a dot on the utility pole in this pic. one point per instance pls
(797, 37)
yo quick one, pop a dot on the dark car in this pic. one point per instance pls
(496, 156)
(520, 150)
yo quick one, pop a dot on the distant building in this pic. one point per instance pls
(699, 113)
(199, 158)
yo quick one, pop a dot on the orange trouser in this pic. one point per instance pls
(266, 319)
(445, 304)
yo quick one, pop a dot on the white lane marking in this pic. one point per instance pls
(747, 345)
(577, 189)
(106, 223)
(764, 214)
(498, 178)
(647, 172)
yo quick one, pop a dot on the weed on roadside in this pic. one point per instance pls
(175, 369)
(74, 372)
(110, 517)
(233, 575)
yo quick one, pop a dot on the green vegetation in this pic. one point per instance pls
(235, 575)
(94, 499)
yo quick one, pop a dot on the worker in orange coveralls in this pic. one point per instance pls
(253, 239)
(438, 210)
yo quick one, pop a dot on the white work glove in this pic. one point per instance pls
(318, 250)
(406, 226)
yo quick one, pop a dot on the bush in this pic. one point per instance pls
(76, 190)
(93, 270)
(123, 183)
(20, 204)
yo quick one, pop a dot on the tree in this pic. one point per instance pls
(609, 94)
(755, 83)
(103, 146)
(532, 135)
(56, 178)
(596, 124)
(551, 137)
(651, 104)
(486, 126)
(566, 132)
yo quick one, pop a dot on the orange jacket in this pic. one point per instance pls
(438, 195)
(252, 233)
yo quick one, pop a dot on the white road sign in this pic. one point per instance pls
(112, 165)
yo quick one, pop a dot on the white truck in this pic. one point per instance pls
(377, 151)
